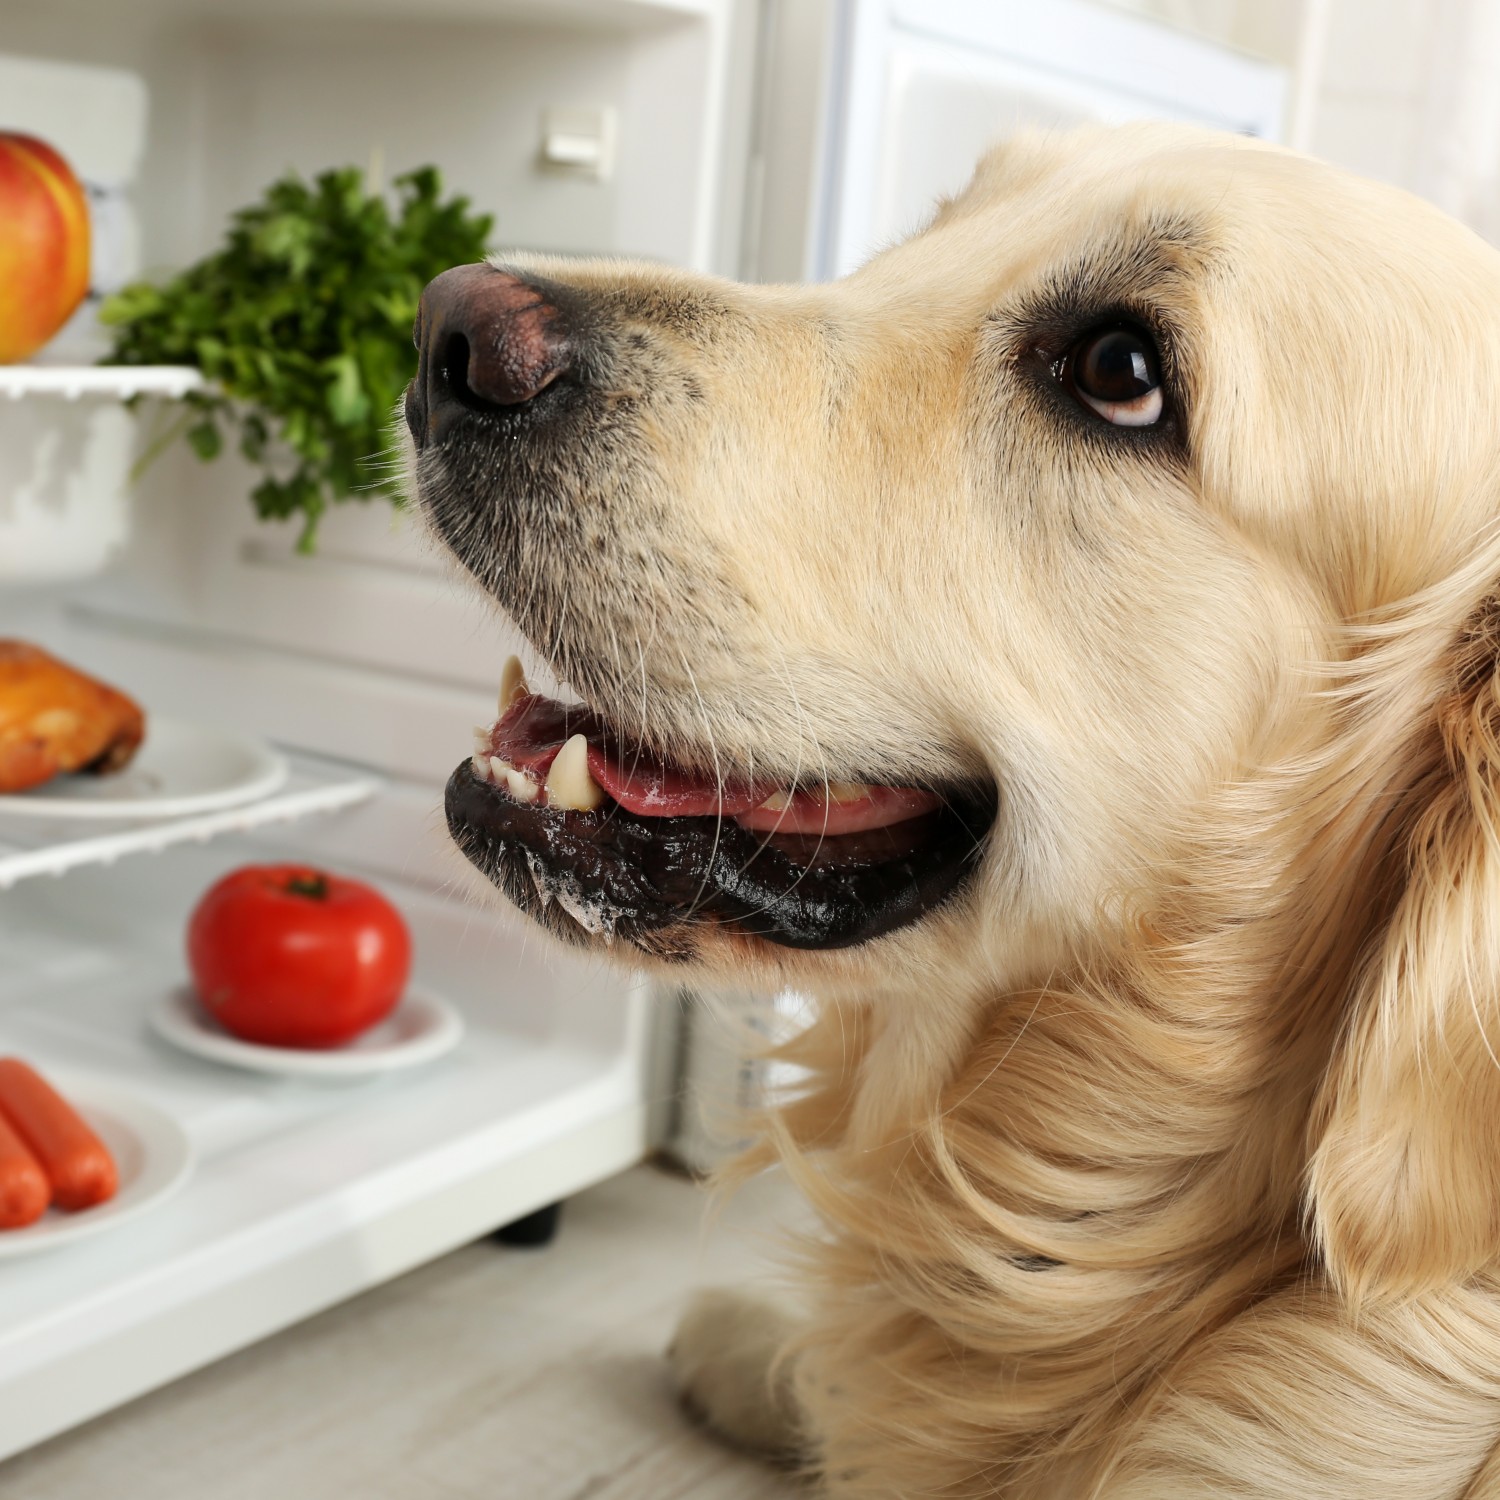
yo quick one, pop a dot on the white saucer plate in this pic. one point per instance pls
(152, 1153)
(180, 769)
(422, 1028)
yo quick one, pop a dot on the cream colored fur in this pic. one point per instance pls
(1216, 1028)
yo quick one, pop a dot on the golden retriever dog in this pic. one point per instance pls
(1067, 649)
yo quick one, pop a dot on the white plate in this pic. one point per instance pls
(421, 1028)
(180, 769)
(152, 1153)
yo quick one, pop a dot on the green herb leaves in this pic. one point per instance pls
(303, 321)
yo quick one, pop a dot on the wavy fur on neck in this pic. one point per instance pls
(1122, 1238)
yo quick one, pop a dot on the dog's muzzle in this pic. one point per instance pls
(538, 412)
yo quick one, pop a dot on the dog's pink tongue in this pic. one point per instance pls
(813, 812)
(656, 791)
(534, 729)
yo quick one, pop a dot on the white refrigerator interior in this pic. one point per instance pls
(366, 664)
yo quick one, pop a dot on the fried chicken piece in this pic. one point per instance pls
(53, 719)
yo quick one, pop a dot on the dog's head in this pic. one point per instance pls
(922, 619)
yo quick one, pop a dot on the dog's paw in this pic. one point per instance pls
(724, 1362)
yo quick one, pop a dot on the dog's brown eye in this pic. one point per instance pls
(1117, 373)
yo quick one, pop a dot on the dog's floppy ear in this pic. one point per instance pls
(1405, 1178)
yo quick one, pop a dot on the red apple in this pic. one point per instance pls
(44, 245)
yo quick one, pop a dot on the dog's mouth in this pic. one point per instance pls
(571, 818)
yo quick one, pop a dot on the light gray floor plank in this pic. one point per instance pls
(494, 1373)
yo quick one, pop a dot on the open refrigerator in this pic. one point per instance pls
(769, 138)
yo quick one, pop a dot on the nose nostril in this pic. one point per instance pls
(455, 370)
(490, 343)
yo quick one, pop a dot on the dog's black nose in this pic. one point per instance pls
(486, 339)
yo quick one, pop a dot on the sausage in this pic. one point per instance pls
(76, 1161)
(24, 1189)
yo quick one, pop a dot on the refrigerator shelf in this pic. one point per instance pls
(304, 1193)
(580, 16)
(29, 848)
(113, 382)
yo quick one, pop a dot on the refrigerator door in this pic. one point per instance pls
(918, 89)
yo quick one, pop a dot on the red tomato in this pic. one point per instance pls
(293, 957)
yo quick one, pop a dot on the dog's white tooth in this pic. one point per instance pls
(777, 802)
(512, 683)
(848, 791)
(481, 764)
(521, 786)
(481, 741)
(517, 783)
(570, 784)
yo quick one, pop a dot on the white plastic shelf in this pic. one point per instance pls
(304, 1193)
(600, 15)
(33, 847)
(111, 382)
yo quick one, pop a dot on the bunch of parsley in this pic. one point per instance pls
(302, 323)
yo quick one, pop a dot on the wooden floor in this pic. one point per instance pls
(494, 1373)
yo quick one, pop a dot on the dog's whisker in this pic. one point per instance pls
(804, 729)
(713, 750)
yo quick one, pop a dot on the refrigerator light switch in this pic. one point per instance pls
(579, 142)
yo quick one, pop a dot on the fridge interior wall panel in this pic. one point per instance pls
(235, 102)
(396, 95)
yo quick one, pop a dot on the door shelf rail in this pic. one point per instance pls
(111, 382)
(29, 848)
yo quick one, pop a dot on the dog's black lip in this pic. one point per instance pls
(649, 876)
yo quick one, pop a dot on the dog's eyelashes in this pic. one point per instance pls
(1116, 372)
